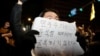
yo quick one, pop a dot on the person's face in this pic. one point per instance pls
(51, 15)
(6, 25)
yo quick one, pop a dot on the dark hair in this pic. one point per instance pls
(47, 10)
(2, 22)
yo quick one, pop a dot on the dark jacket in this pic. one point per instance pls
(24, 42)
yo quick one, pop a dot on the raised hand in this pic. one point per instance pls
(20, 2)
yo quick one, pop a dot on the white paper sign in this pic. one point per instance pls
(56, 37)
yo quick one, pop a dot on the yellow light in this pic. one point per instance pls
(24, 29)
(92, 16)
(29, 19)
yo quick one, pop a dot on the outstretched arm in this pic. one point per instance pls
(16, 23)
(24, 41)
(16, 19)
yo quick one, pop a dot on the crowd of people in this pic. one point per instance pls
(15, 42)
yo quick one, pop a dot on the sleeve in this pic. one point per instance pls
(16, 21)
(23, 40)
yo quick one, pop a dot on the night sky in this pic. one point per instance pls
(29, 8)
(32, 8)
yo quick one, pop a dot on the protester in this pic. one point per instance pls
(24, 42)
(6, 39)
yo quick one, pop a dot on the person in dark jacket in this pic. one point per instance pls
(24, 42)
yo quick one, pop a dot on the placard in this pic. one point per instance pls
(56, 37)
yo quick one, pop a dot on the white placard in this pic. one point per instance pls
(56, 37)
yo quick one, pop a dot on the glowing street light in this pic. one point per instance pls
(29, 19)
(81, 9)
(24, 29)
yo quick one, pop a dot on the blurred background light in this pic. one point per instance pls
(73, 12)
(81, 9)
(98, 0)
(24, 29)
(29, 19)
